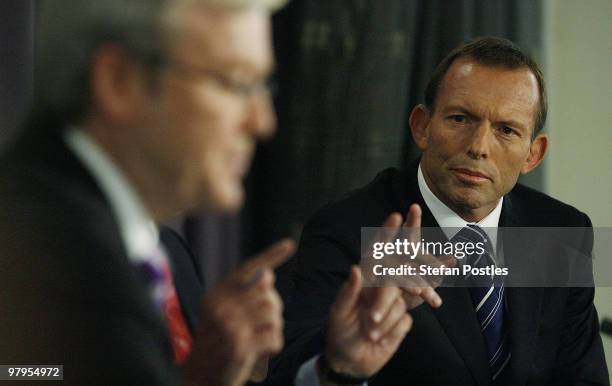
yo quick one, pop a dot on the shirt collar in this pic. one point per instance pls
(138, 230)
(451, 222)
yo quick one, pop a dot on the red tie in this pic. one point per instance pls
(180, 336)
(158, 276)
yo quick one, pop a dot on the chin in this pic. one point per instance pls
(467, 199)
(229, 199)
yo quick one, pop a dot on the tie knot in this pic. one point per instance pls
(472, 233)
(151, 272)
(154, 265)
(481, 245)
(155, 271)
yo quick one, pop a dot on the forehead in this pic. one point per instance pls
(496, 90)
(222, 38)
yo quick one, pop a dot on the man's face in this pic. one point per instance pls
(209, 107)
(478, 140)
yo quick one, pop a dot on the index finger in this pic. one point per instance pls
(390, 227)
(413, 223)
(275, 255)
(384, 234)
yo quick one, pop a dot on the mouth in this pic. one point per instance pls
(470, 176)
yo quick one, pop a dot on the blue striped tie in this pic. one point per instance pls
(487, 293)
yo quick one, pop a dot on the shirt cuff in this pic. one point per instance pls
(307, 374)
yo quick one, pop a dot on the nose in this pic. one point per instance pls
(260, 118)
(479, 141)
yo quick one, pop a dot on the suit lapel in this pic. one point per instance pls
(46, 146)
(523, 303)
(188, 285)
(458, 319)
(456, 316)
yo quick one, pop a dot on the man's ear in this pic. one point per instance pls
(537, 150)
(419, 123)
(118, 86)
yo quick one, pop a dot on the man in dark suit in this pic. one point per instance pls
(479, 129)
(115, 143)
(145, 110)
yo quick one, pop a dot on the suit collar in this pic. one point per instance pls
(406, 192)
(138, 230)
(41, 152)
(43, 149)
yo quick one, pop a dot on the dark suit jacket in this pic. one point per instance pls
(69, 294)
(554, 331)
(188, 280)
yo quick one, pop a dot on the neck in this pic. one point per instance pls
(470, 214)
(134, 164)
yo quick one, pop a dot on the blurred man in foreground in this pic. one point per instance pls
(145, 110)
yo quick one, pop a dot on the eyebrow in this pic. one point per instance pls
(459, 109)
(508, 122)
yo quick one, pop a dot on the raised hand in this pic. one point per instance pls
(417, 288)
(365, 328)
(422, 288)
(241, 322)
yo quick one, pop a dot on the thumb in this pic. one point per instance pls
(349, 293)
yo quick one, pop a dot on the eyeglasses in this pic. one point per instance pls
(236, 87)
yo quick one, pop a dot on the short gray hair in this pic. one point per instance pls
(70, 31)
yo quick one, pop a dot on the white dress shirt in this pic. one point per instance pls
(137, 228)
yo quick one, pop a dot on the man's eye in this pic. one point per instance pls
(458, 118)
(507, 130)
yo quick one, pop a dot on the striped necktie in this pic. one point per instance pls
(487, 293)
(158, 276)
